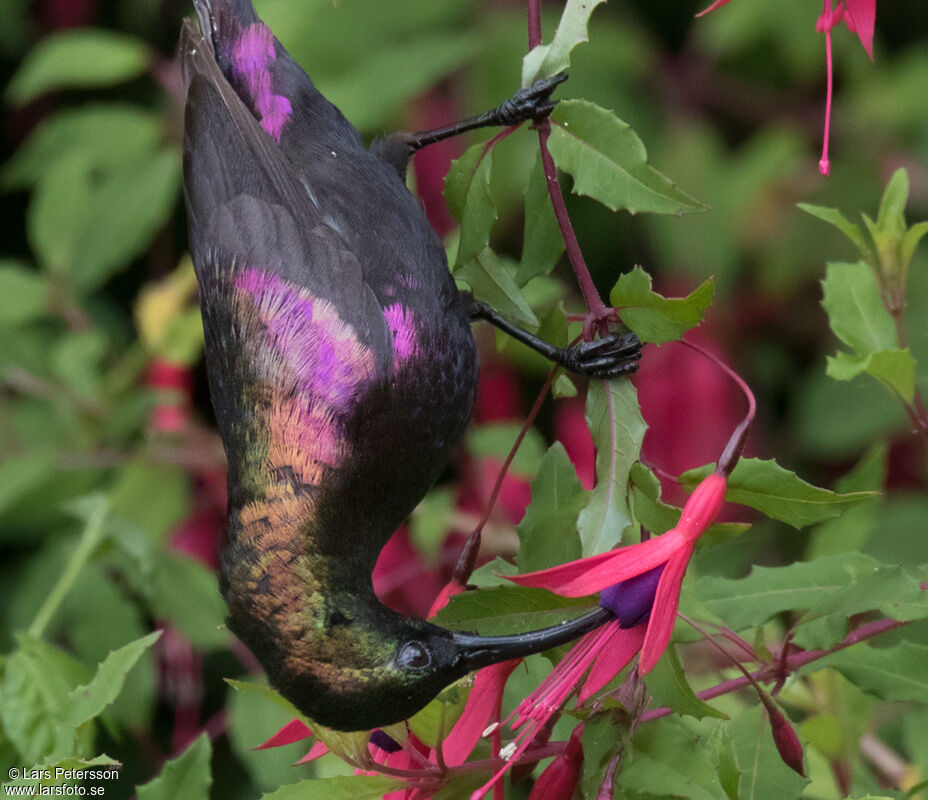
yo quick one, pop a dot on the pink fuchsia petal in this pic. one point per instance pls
(713, 7)
(664, 613)
(703, 506)
(448, 591)
(316, 751)
(593, 574)
(293, 731)
(617, 648)
(860, 16)
(482, 706)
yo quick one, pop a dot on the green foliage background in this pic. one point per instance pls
(729, 107)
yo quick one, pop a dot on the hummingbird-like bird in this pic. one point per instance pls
(342, 371)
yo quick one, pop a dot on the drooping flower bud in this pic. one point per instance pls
(559, 780)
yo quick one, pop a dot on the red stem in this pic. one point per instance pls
(598, 311)
(793, 663)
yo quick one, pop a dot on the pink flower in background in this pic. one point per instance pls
(860, 18)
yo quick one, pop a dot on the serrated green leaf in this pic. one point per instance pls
(24, 293)
(763, 773)
(608, 162)
(618, 429)
(187, 776)
(491, 281)
(848, 228)
(890, 590)
(893, 368)
(667, 684)
(545, 60)
(77, 59)
(668, 760)
(779, 493)
(340, 787)
(467, 191)
(652, 316)
(105, 136)
(766, 591)
(898, 673)
(88, 701)
(37, 680)
(547, 532)
(501, 610)
(267, 693)
(542, 243)
(855, 308)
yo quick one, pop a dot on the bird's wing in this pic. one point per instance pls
(294, 336)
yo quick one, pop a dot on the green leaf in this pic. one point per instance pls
(891, 590)
(766, 591)
(909, 242)
(58, 211)
(340, 787)
(667, 684)
(436, 720)
(24, 293)
(467, 191)
(779, 493)
(652, 316)
(618, 428)
(20, 474)
(895, 369)
(669, 759)
(547, 532)
(185, 592)
(763, 773)
(187, 776)
(501, 610)
(79, 58)
(542, 243)
(88, 701)
(107, 137)
(267, 693)
(545, 60)
(600, 743)
(898, 673)
(126, 211)
(891, 216)
(855, 308)
(608, 162)
(720, 742)
(496, 439)
(34, 696)
(491, 281)
(849, 229)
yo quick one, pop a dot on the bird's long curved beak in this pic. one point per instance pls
(481, 651)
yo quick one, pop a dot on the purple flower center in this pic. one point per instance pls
(385, 742)
(631, 600)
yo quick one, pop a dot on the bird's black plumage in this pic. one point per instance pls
(342, 371)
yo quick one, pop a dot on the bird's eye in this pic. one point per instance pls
(414, 656)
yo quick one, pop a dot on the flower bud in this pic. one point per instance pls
(559, 780)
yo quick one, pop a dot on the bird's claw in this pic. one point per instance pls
(610, 357)
(531, 103)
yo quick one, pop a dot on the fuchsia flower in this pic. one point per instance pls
(644, 600)
(860, 18)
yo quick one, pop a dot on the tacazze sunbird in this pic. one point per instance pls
(342, 371)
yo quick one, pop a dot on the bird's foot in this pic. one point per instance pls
(614, 355)
(531, 103)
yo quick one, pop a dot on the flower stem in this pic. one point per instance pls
(90, 538)
(598, 311)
